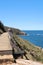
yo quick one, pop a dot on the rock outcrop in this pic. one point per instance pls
(15, 31)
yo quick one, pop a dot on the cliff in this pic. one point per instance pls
(16, 31)
(13, 30)
(32, 52)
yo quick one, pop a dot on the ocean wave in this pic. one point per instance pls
(39, 34)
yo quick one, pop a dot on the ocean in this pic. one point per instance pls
(35, 37)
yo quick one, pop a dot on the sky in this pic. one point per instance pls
(22, 14)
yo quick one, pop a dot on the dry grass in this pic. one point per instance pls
(33, 52)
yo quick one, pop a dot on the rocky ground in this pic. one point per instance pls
(23, 62)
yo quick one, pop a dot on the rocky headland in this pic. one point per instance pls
(16, 51)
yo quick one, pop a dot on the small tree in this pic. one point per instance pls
(2, 26)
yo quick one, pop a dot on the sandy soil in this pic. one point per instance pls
(27, 62)
(23, 62)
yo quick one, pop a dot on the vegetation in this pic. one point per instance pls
(32, 52)
(13, 30)
(2, 27)
(16, 31)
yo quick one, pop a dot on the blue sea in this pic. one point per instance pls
(35, 37)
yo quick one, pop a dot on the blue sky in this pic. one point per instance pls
(22, 14)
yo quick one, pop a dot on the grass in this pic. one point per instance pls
(33, 52)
